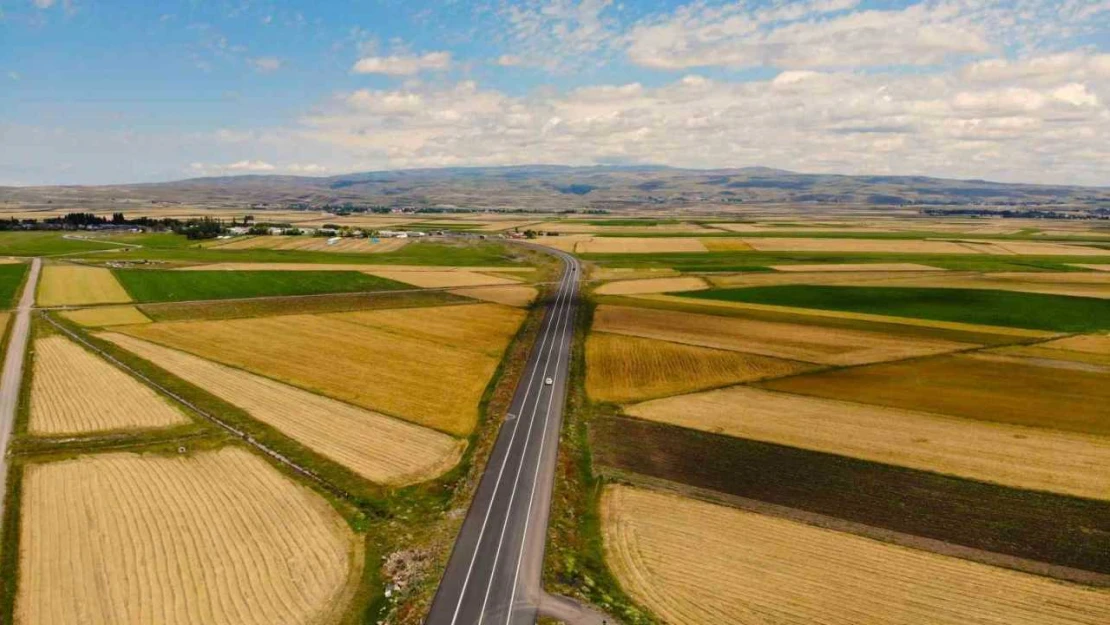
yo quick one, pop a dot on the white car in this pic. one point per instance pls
(549, 381)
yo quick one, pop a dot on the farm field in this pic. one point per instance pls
(917, 246)
(518, 296)
(1015, 391)
(312, 244)
(380, 448)
(364, 267)
(652, 285)
(696, 563)
(808, 343)
(627, 368)
(1078, 284)
(277, 306)
(409, 365)
(74, 285)
(147, 285)
(106, 316)
(73, 391)
(856, 267)
(630, 245)
(118, 537)
(999, 308)
(11, 277)
(46, 244)
(440, 279)
(1021, 457)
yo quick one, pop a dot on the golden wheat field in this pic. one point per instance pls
(106, 316)
(631, 245)
(345, 267)
(314, 244)
(440, 279)
(770, 338)
(73, 391)
(380, 448)
(219, 537)
(73, 285)
(652, 285)
(1022, 457)
(986, 387)
(518, 296)
(726, 245)
(1089, 343)
(775, 244)
(625, 368)
(856, 267)
(696, 563)
(407, 365)
(1094, 267)
(628, 273)
(1047, 355)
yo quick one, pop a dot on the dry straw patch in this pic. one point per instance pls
(1022, 457)
(400, 367)
(652, 285)
(518, 296)
(622, 368)
(783, 340)
(380, 448)
(440, 279)
(631, 245)
(220, 537)
(989, 388)
(106, 316)
(695, 563)
(74, 391)
(72, 285)
(857, 267)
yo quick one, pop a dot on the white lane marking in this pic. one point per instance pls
(562, 324)
(532, 497)
(508, 453)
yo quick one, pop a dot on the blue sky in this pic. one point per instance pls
(105, 92)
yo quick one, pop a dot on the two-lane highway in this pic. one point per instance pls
(494, 572)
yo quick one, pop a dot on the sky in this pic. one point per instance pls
(106, 92)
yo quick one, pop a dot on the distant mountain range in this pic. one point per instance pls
(562, 188)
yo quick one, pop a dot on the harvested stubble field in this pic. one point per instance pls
(624, 273)
(314, 244)
(219, 537)
(696, 563)
(918, 246)
(380, 448)
(1021, 457)
(412, 364)
(1056, 313)
(652, 285)
(73, 285)
(518, 296)
(1052, 356)
(626, 368)
(150, 285)
(440, 279)
(336, 302)
(1011, 390)
(73, 391)
(1035, 525)
(106, 316)
(809, 343)
(1089, 343)
(630, 245)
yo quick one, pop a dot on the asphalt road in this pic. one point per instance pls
(493, 575)
(13, 372)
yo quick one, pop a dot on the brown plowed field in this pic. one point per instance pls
(695, 563)
(782, 340)
(380, 448)
(219, 538)
(74, 391)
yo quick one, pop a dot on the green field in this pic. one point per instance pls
(11, 276)
(147, 285)
(1037, 311)
(46, 244)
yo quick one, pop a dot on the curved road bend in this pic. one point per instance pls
(494, 574)
(13, 372)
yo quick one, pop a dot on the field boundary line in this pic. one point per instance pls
(236, 432)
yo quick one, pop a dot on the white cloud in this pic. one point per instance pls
(558, 35)
(403, 65)
(248, 165)
(307, 168)
(43, 4)
(13, 75)
(266, 63)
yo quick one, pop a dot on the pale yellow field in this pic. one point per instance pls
(652, 285)
(1095, 267)
(1048, 354)
(106, 316)
(1022, 457)
(725, 245)
(314, 244)
(783, 340)
(1090, 343)
(398, 367)
(72, 285)
(814, 277)
(519, 296)
(74, 392)
(624, 368)
(774, 244)
(8, 260)
(380, 448)
(695, 563)
(440, 279)
(625, 273)
(219, 538)
(1044, 249)
(630, 245)
(563, 243)
(857, 267)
